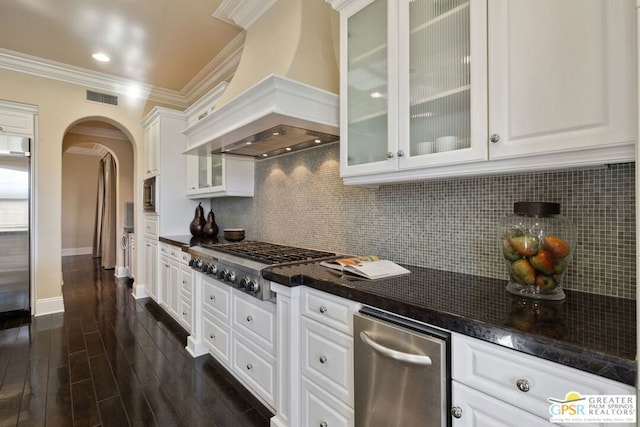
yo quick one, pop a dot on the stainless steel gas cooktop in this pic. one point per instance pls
(240, 264)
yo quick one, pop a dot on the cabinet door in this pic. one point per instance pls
(368, 105)
(476, 409)
(174, 288)
(443, 92)
(151, 267)
(561, 75)
(151, 142)
(165, 282)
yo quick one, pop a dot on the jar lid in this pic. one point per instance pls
(536, 208)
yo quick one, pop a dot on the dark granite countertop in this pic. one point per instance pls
(593, 333)
(186, 241)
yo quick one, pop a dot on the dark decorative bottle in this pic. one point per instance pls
(197, 225)
(210, 228)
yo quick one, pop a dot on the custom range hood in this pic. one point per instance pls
(282, 96)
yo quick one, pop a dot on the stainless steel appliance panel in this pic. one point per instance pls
(402, 376)
(14, 224)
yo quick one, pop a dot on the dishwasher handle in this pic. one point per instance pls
(415, 359)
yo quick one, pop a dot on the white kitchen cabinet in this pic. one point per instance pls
(165, 282)
(151, 147)
(567, 87)
(185, 299)
(326, 358)
(473, 408)
(217, 175)
(517, 380)
(411, 96)
(150, 250)
(253, 337)
(534, 100)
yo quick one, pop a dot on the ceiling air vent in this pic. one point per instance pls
(102, 97)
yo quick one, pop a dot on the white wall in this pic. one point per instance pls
(61, 105)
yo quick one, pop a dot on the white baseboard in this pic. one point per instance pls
(139, 291)
(77, 251)
(122, 272)
(49, 306)
(196, 349)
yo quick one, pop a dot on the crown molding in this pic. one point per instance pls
(47, 69)
(242, 13)
(219, 70)
(99, 132)
(97, 150)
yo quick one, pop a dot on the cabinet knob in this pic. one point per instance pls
(249, 318)
(400, 153)
(389, 155)
(323, 309)
(523, 385)
(212, 336)
(494, 138)
(249, 366)
(323, 359)
(1, 128)
(212, 298)
(456, 412)
(184, 313)
(324, 424)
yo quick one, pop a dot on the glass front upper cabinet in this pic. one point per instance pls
(411, 84)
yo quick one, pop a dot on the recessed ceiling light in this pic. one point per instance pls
(264, 155)
(317, 141)
(288, 148)
(101, 57)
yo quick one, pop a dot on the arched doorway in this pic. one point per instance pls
(85, 144)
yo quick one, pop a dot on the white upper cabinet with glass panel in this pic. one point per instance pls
(427, 85)
(219, 175)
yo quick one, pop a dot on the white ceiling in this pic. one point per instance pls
(162, 43)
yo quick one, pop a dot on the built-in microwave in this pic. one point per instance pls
(149, 195)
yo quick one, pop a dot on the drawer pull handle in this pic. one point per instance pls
(523, 385)
(323, 359)
(249, 366)
(456, 412)
(212, 336)
(416, 359)
(249, 318)
(323, 309)
(324, 424)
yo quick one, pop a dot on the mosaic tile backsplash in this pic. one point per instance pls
(442, 224)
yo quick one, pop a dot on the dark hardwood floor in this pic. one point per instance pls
(110, 360)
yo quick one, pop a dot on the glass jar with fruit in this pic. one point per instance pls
(537, 244)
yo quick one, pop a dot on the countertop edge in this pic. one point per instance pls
(586, 360)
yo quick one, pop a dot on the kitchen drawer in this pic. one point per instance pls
(218, 339)
(164, 249)
(327, 359)
(216, 299)
(16, 123)
(497, 370)
(187, 281)
(255, 320)
(321, 409)
(185, 257)
(151, 226)
(256, 368)
(481, 410)
(184, 311)
(329, 310)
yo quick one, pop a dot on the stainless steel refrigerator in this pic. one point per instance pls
(15, 206)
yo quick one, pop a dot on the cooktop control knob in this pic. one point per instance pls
(230, 276)
(243, 282)
(213, 269)
(192, 262)
(203, 267)
(253, 286)
(222, 274)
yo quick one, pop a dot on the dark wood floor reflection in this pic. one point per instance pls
(110, 360)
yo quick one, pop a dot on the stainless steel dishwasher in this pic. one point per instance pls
(402, 372)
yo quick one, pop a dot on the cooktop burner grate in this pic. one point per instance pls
(269, 253)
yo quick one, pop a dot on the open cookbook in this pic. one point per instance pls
(370, 267)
